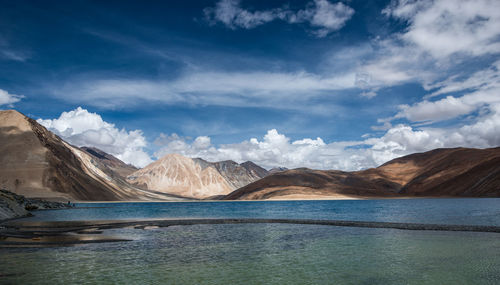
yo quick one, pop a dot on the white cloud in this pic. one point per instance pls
(82, 128)
(440, 36)
(403, 139)
(276, 149)
(483, 93)
(13, 55)
(446, 108)
(232, 15)
(9, 99)
(482, 79)
(207, 88)
(9, 53)
(445, 27)
(324, 16)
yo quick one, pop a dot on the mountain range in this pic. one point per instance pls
(195, 177)
(34, 162)
(452, 172)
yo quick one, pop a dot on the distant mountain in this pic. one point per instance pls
(195, 177)
(176, 174)
(457, 172)
(254, 169)
(236, 175)
(277, 169)
(34, 162)
(115, 166)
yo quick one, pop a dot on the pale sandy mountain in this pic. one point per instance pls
(457, 172)
(176, 174)
(34, 162)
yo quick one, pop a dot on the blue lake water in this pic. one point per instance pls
(434, 211)
(271, 253)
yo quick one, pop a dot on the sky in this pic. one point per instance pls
(320, 84)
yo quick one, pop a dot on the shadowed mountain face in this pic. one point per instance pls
(277, 169)
(195, 177)
(113, 164)
(459, 172)
(236, 175)
(36, 163)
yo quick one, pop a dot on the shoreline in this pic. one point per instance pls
(285, 200)
(63, 233)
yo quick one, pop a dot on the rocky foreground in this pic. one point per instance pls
(16, 206)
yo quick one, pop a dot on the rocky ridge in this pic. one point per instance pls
(16, 206)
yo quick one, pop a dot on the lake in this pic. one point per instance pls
(271, 253)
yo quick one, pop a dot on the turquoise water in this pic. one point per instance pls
(272, 253)
(437, 211)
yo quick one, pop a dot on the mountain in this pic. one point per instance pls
(456, 172)
(277, 169)
(34, 162)
(113, 165)
(176, 174)
(254, 169)
(195, 177)
(236, 175)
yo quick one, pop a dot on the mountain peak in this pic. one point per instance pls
(180, 175)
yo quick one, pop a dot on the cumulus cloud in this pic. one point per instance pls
(446, 108)
(403, 139)
(83, 128)
(9, 99)
(276, 149)
(322, 15)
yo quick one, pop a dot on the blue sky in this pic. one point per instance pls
(321, 84)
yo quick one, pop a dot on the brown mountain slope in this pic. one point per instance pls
(36, 163)
(256, 170)
(442, 172)
(237, 175)
(108, 161)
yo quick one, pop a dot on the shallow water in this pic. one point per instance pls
(272, 253)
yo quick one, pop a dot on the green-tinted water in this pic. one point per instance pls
(263, 254)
